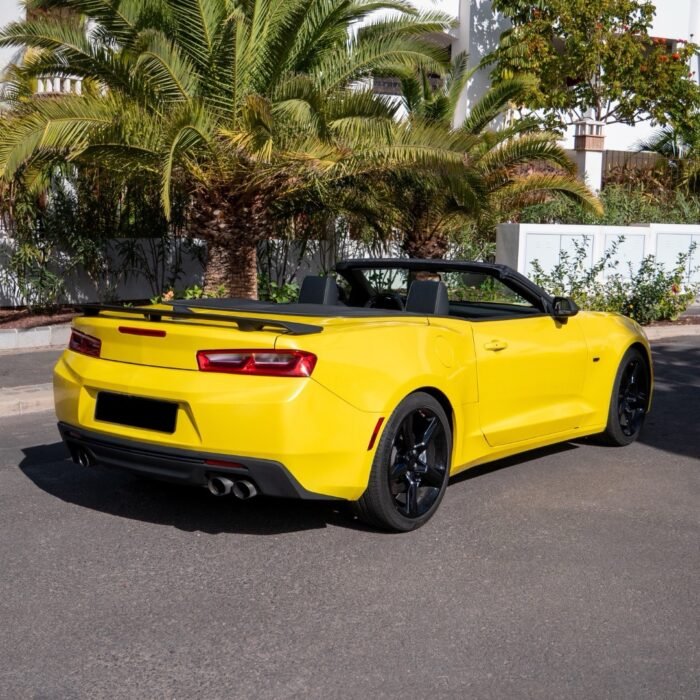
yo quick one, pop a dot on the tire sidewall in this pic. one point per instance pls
(613, 432)
(379, 476)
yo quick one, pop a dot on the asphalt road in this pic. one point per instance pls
(567, 573)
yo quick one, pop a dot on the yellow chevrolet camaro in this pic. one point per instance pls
(375, 387)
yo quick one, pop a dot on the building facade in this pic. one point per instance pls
(10, 11)
(480, 29)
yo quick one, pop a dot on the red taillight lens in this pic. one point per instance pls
(84, 343)
(151, 333)
(271, 363)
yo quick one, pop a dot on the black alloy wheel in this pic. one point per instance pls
(411, 466)
(629, 401)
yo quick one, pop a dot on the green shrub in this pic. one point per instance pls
(648, 294)
(192, 292)
(623, 207)
(278, 293)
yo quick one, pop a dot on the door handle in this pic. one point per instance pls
(496, 345)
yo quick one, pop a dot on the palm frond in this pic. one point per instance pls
(57, 127)
(110, 15)
(64, 49)
(458, 78)
(184, 141)
(532, 148)
(197, 23)
(359, 58)
(493, 103)
(666, 142)
(359, 116)
(166, 71)
(522, 190)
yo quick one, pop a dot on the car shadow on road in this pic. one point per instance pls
(672, 425)
(183, 507)
(514, 461)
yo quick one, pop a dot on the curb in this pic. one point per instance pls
(20, 400)
(32, 338)
(662, 332)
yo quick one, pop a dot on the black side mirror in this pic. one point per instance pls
(563, 307)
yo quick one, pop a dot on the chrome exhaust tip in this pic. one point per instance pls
(244, 489)
(219, 485)
(83, 458)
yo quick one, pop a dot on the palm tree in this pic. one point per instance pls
(247, 105)
(681, 149)
(510, 166)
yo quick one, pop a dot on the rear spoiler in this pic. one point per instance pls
(244, 323)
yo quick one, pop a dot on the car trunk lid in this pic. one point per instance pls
(159, 336)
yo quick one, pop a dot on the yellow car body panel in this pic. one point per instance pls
(508, 385)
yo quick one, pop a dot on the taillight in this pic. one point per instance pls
(84, 343)
(150, 332)
(272, 363)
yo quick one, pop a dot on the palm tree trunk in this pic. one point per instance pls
(229, 229)
(424, 244)
(231, 269)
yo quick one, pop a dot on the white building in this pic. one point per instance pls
(10, 11)
(480, 29)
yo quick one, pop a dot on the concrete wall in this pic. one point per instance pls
(517, 245)
(142, 268)
(134, 269)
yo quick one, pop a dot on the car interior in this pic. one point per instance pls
(468, 295)
(471, 291)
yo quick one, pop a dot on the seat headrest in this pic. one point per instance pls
(318, 290)
(428, 297)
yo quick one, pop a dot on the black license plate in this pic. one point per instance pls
(136, 412)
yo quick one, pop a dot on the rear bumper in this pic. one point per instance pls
(183, 466)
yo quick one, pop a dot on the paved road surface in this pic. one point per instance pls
(568, 573)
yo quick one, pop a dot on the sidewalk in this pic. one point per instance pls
(25, 381)
(25, 375)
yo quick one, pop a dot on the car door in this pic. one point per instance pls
(531, 374)
(531, 367)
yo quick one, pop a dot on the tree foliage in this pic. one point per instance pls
(248, 105)
(597, 57)
(509, 167)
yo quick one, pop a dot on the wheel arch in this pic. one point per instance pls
(646, 353)
(444, 401)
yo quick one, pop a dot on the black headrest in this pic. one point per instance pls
(318, 290)
(428, 297)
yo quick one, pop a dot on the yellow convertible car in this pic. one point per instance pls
(378, 384)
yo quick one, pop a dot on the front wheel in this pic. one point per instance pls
(410, 468)
(629, 400)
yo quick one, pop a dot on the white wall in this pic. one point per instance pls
(480, 29)
(10, 11)
(518, 245)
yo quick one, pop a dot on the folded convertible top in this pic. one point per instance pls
(244, 323)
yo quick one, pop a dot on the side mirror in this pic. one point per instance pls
(563, 307)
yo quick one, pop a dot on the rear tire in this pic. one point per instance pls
(629, 400)
(411, 467)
